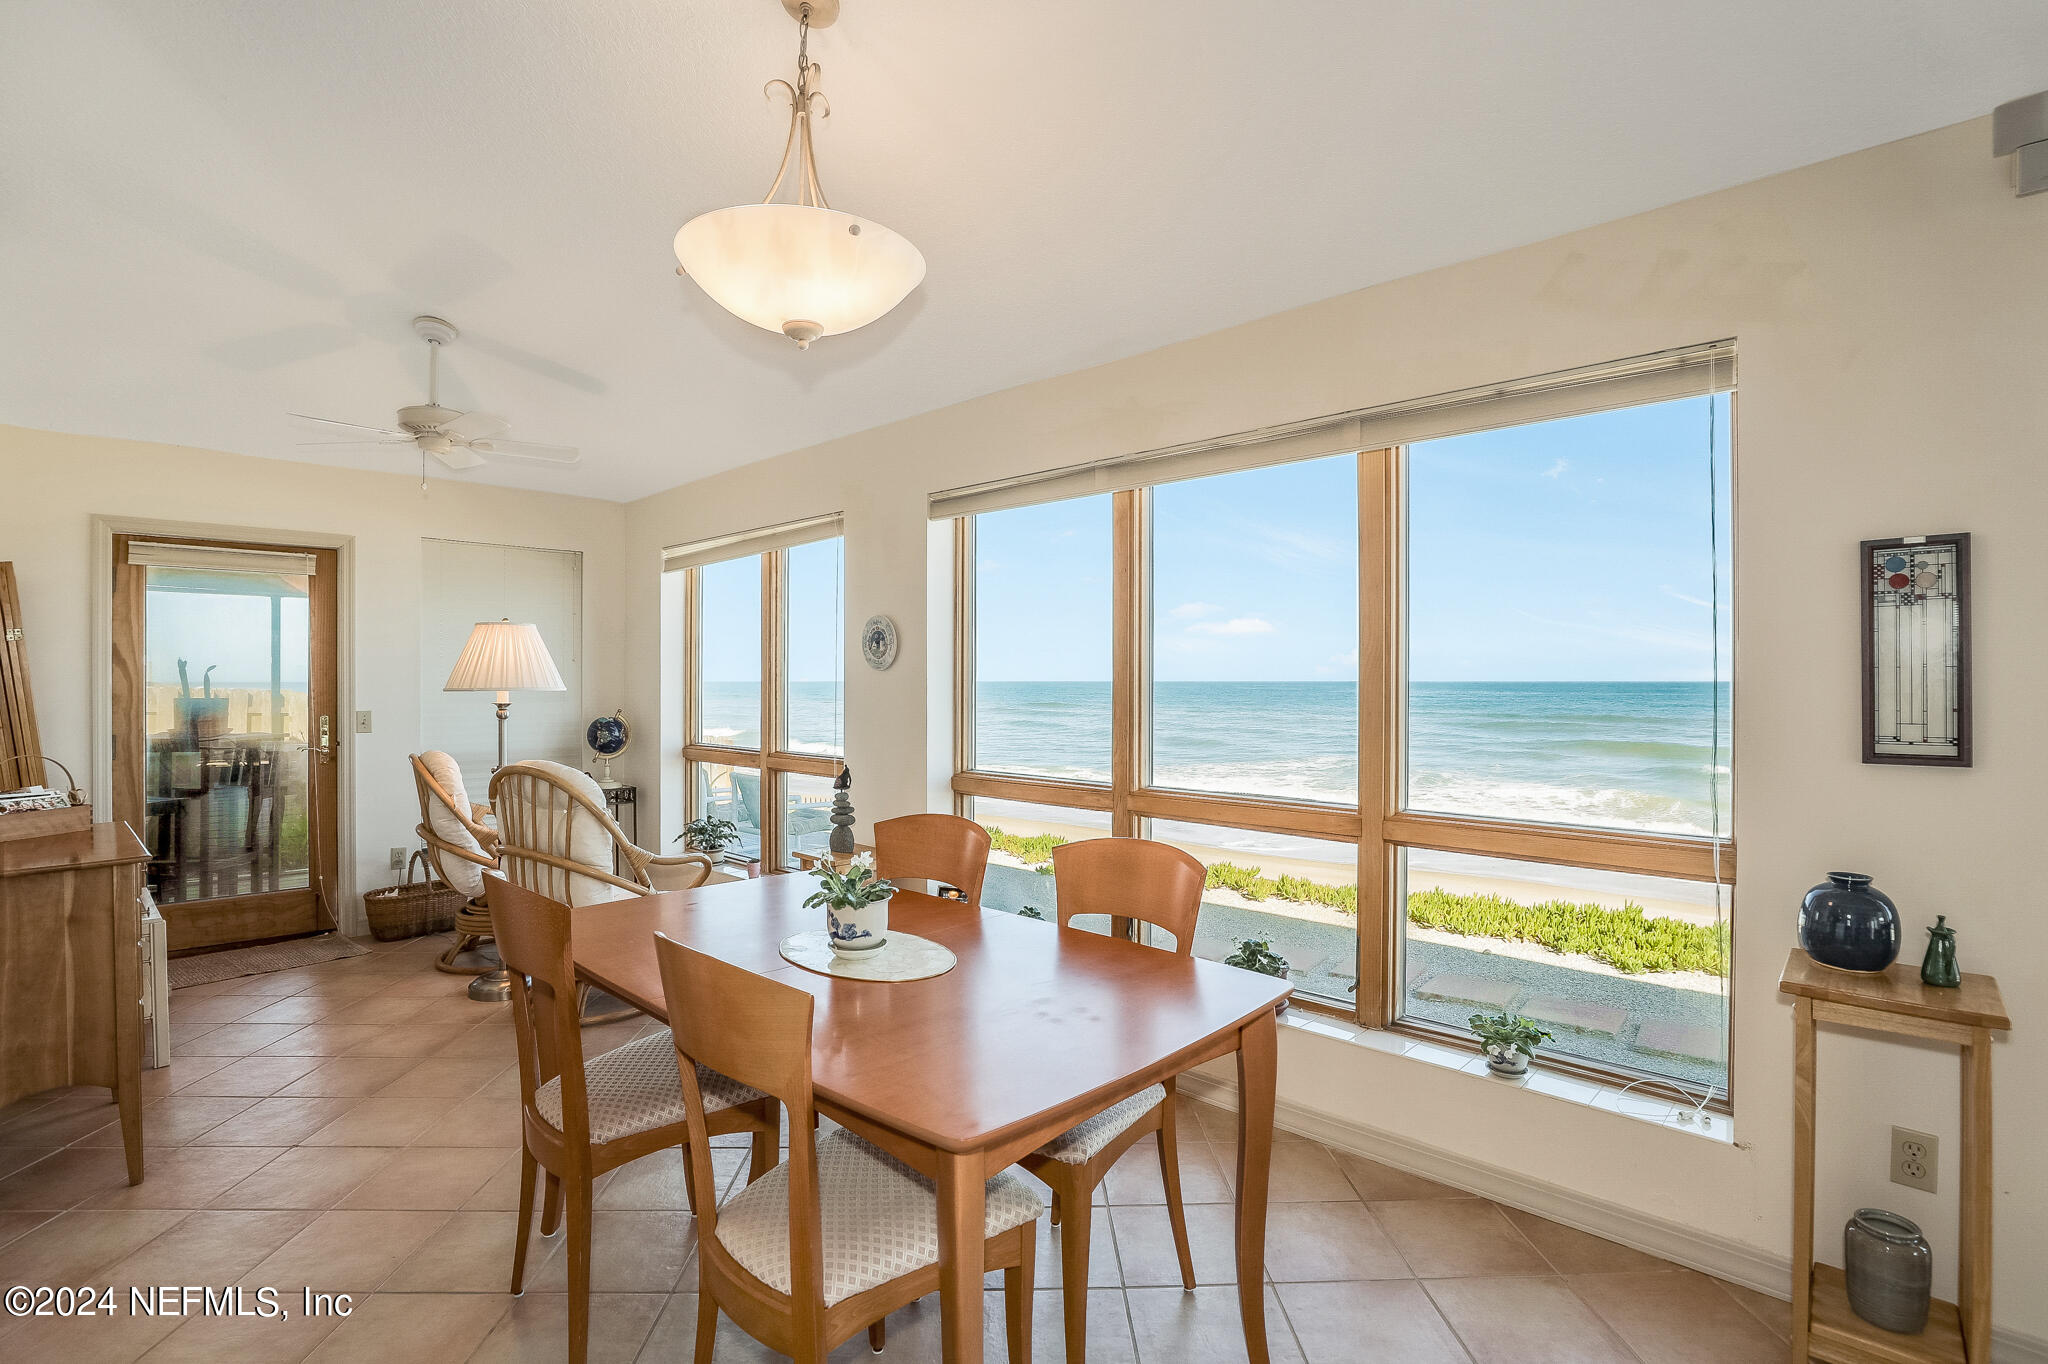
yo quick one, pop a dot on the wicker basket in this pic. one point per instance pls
(413, 909)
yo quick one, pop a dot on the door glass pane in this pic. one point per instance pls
(806, 805)
(1022, 837)
(1255, 632)
(732, 794)
(1623, 969)
(816, 649)
(1561, 639)
(1298, 895)
(730, 647)
(1042, 611)
(227, 658)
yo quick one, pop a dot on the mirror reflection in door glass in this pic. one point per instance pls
(225, 766)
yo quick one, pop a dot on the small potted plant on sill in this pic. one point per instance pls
(1257, 954)
(856, 905)
(1510, 1041)
(712, 837)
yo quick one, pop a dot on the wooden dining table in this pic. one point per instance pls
(1034, 1029)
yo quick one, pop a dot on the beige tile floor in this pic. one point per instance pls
(352, 1128)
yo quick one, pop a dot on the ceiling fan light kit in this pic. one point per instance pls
(804, 269)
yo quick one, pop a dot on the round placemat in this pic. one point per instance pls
(904, 957)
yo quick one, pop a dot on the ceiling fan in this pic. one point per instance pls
(460, 440)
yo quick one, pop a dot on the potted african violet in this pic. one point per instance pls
(1510, 1041)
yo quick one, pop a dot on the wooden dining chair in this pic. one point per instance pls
(942, 848)
(579, 1118)
(1158, 884)
(842, 1233)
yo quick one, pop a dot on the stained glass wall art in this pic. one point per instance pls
(1916, 650)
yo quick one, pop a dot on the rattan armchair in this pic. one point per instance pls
(461, 847)
(556, 838)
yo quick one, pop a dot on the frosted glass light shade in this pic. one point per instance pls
(803, 271)
(501, 656)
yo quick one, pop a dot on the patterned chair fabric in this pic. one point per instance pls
(637, 1087)
(1079, 1143)
(880, 1218)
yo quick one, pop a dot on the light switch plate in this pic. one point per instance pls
(362, 722)
(1916, 1159)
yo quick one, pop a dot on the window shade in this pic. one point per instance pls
(149, 554)
(462, 583)
(1688, 372)
(742, 543)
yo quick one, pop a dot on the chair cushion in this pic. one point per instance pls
(463, 876)
(637, 1087)
(1080, 1143)
(881, 1218)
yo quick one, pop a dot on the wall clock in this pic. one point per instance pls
(878, 642)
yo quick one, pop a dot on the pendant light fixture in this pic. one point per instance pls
(804, 269)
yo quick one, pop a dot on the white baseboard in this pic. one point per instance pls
(1719, 1256)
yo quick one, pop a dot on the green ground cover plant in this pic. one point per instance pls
(1034, 849)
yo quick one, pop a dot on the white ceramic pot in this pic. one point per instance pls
(1509, 1061)
(855, 931)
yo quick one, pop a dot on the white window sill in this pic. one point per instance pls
(1651, 1108)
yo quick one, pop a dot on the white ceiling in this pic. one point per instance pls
(212, 214)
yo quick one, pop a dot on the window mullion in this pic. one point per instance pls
(1379, 748)
(774, 652)
(1126, 706)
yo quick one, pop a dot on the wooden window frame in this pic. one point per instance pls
(771, 759)
(1378, 825)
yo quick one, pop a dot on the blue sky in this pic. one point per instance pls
(1569, 550)
(229, 633)
(732, 615)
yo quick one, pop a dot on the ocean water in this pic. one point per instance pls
(1609, 755)
(1604, 755)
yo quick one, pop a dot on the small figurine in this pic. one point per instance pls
(1939, 967)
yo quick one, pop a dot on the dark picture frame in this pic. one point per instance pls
(1869, 584)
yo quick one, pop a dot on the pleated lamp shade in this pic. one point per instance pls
(504, 657)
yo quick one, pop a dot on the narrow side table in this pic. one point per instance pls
(1893, 1002)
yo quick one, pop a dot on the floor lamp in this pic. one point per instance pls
(502, 657)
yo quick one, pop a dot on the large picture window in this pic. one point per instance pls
(764, 636)
(1446, 719)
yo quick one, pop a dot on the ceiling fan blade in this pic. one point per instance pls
(384, 431)
(457, 457)
(526, 449)
(474, 426)
(365, 443)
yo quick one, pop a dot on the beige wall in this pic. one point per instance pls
(52, 486)
(1891, 310)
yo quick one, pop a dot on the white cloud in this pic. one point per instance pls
(1674, 592)
(1192, 610)
(1557, 469)
(1236, 625)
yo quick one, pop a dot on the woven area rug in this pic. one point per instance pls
(257, 961)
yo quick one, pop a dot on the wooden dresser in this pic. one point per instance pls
(71, 969)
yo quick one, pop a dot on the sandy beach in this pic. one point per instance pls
(1575, 886)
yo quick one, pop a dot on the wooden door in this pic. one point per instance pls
(227, 734)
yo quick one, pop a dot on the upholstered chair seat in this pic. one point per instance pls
(637, 1087)
(880, 1218)
(1084, 1141)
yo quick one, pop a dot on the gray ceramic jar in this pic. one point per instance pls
(1889, 1268)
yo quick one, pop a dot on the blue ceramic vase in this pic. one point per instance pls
(1849, 924)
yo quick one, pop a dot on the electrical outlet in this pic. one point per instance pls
(398, 859)
(362, 722)
(1915, 1159)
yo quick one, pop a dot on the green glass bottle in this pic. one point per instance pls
(1939, 967)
